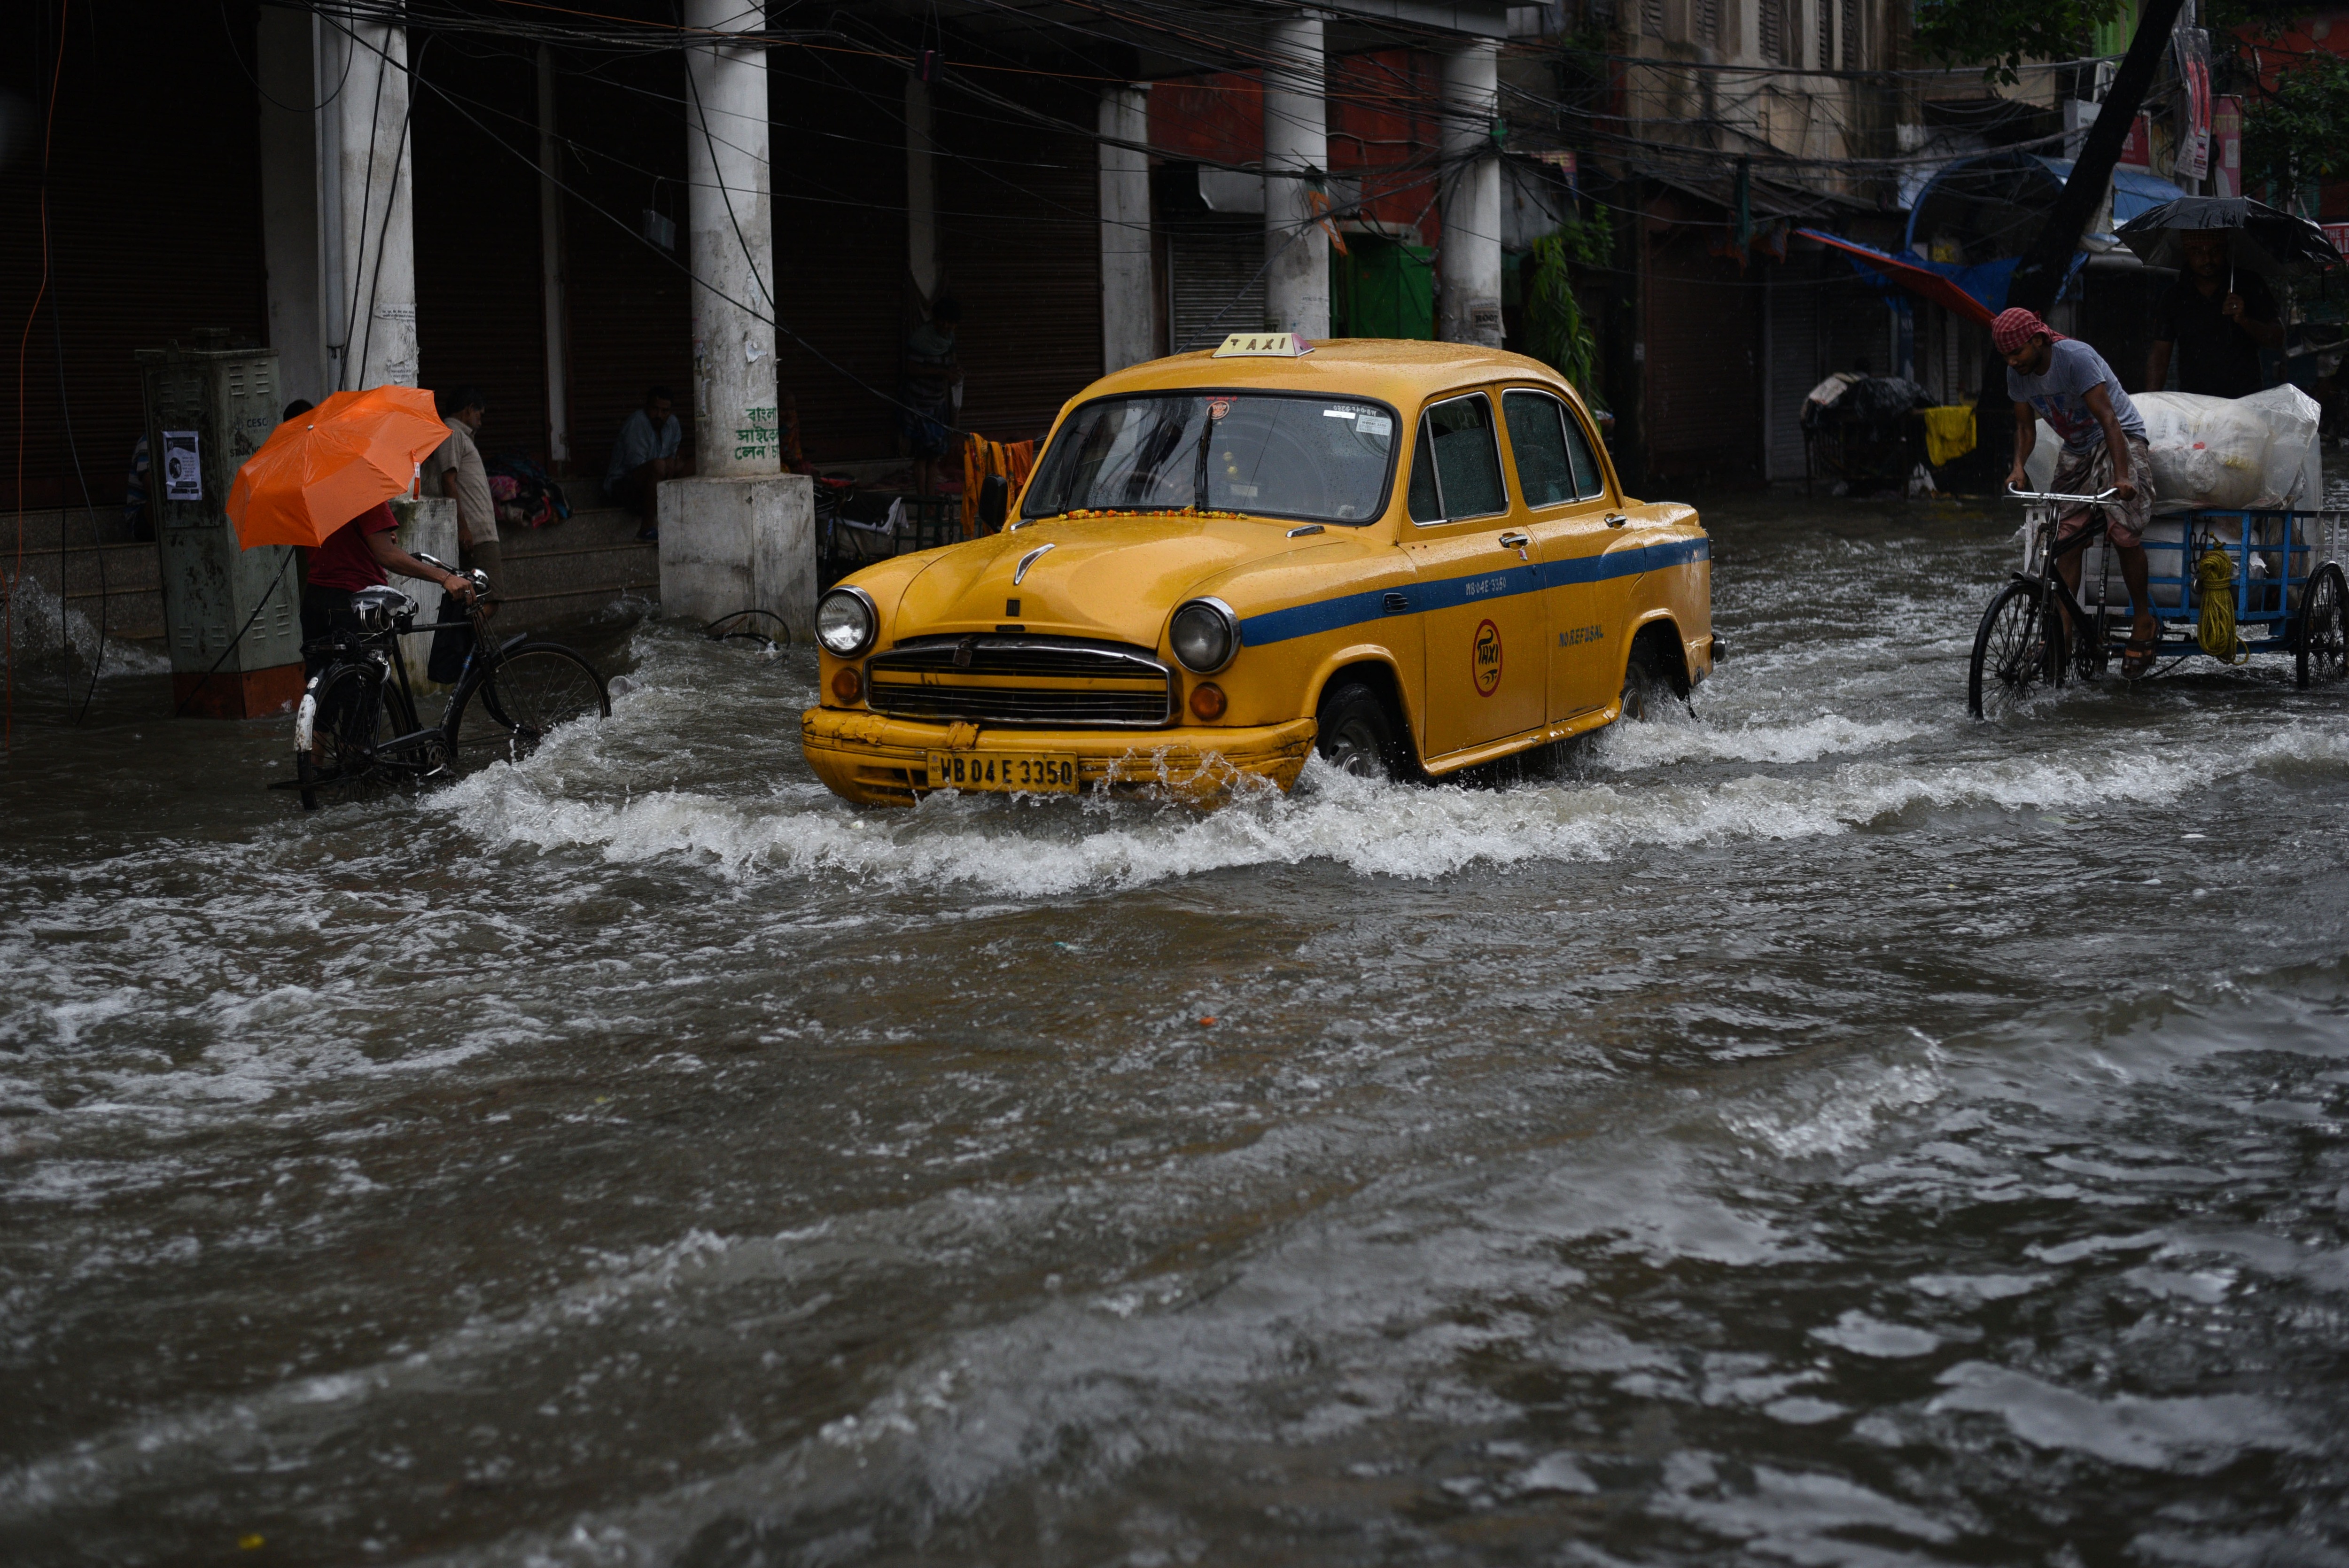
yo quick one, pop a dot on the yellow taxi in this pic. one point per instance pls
(1413, 556)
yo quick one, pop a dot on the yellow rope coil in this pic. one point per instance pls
(2214, 578)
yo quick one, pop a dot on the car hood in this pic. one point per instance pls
(1111, 578)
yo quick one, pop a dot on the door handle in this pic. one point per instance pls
(1515, 541)
(1616, 520)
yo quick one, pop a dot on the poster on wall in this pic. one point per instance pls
(2192, 45)
(184, 473)
(2136, 152)
(2227, 147)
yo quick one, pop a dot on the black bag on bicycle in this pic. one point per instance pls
(450, 644)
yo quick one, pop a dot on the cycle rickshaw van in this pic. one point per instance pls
(1414, 556)
(2227, 583)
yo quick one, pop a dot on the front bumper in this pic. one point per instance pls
(877, 761)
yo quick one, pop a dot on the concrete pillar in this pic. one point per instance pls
(1468, 263)
(286, 65)
(730, 544)
(367, 212)
(1129, 318)
(427, 526)
(1296, 137)
(921, 193)
(740, 535)
(732, 248)
(553, 286)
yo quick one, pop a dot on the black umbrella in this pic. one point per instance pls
(2275, 245)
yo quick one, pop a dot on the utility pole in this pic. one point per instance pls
(2041, 273)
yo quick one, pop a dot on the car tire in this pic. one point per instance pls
(1645, 688)
(1358, 734)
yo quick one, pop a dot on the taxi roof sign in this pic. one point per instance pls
(1263, 345)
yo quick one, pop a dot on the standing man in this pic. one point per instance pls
(2066, 382)
(932, 379)
(454, 469)
(2217, 318)
(645, 454)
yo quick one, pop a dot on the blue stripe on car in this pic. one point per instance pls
(1449, 592)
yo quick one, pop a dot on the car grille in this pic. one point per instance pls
(1020, 680)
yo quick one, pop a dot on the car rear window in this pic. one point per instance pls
(1324, 458)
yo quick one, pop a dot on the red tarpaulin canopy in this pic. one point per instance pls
(1917, 279)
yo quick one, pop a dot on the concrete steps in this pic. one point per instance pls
(113, 578)
(590, 567)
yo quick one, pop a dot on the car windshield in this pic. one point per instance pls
(1326, 459)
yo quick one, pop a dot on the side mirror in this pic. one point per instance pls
(994, 502)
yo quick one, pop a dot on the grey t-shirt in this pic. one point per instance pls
(2061, 395)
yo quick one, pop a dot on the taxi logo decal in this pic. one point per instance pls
(1485, 663)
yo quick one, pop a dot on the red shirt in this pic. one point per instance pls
(345, 561)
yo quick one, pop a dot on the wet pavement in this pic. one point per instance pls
(1822, 1130)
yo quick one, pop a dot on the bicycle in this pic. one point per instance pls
(2025, 636)
(358, 719)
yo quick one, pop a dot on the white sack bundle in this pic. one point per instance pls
(2255, 453)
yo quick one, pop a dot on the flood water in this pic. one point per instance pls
(1821, 1130)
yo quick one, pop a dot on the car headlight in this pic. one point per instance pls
(1205, 636)
(846, 622)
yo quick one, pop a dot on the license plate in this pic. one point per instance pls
(1004, 771)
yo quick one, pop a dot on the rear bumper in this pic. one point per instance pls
(877, 761)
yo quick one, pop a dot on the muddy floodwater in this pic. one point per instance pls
(1821, 1130)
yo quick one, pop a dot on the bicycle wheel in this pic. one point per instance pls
(352, 714)
(2321, 652)
(522, 696)
(2018, 647)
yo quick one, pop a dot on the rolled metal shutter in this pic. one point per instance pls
(631, 308)
(1704, 341)
(154, 226)
(1793, 366)
(479, 284)
(1019, 246)
(837, 153)
(1214, 284)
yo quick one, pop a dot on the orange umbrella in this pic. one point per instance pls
(318, 470)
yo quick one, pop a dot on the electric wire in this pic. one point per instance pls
(24, 348)
(90, 511)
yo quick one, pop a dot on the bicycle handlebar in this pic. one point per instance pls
(2108, 498)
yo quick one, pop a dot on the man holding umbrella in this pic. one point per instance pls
(324, 481)
(2215, 319)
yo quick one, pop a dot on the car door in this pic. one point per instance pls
(1578, 529)
(1485, 677)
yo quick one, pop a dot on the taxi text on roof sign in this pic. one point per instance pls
(1262, 346)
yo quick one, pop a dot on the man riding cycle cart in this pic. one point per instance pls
(2118, 559)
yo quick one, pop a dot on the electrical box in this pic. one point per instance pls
(233, 616)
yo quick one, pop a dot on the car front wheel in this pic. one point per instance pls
(1357, 733)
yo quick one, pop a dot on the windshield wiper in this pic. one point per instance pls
(1199, 475)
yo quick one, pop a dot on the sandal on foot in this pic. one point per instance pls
(2138, 656)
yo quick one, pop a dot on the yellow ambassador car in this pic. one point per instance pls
(1414, 556)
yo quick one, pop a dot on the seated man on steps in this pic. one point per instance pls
(645, 453)
(2066, 382)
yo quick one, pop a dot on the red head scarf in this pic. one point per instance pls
(2017, 327)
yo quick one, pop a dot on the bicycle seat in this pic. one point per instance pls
(382, 609)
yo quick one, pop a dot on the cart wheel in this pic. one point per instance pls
(2321, 652)
(2018, 647)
